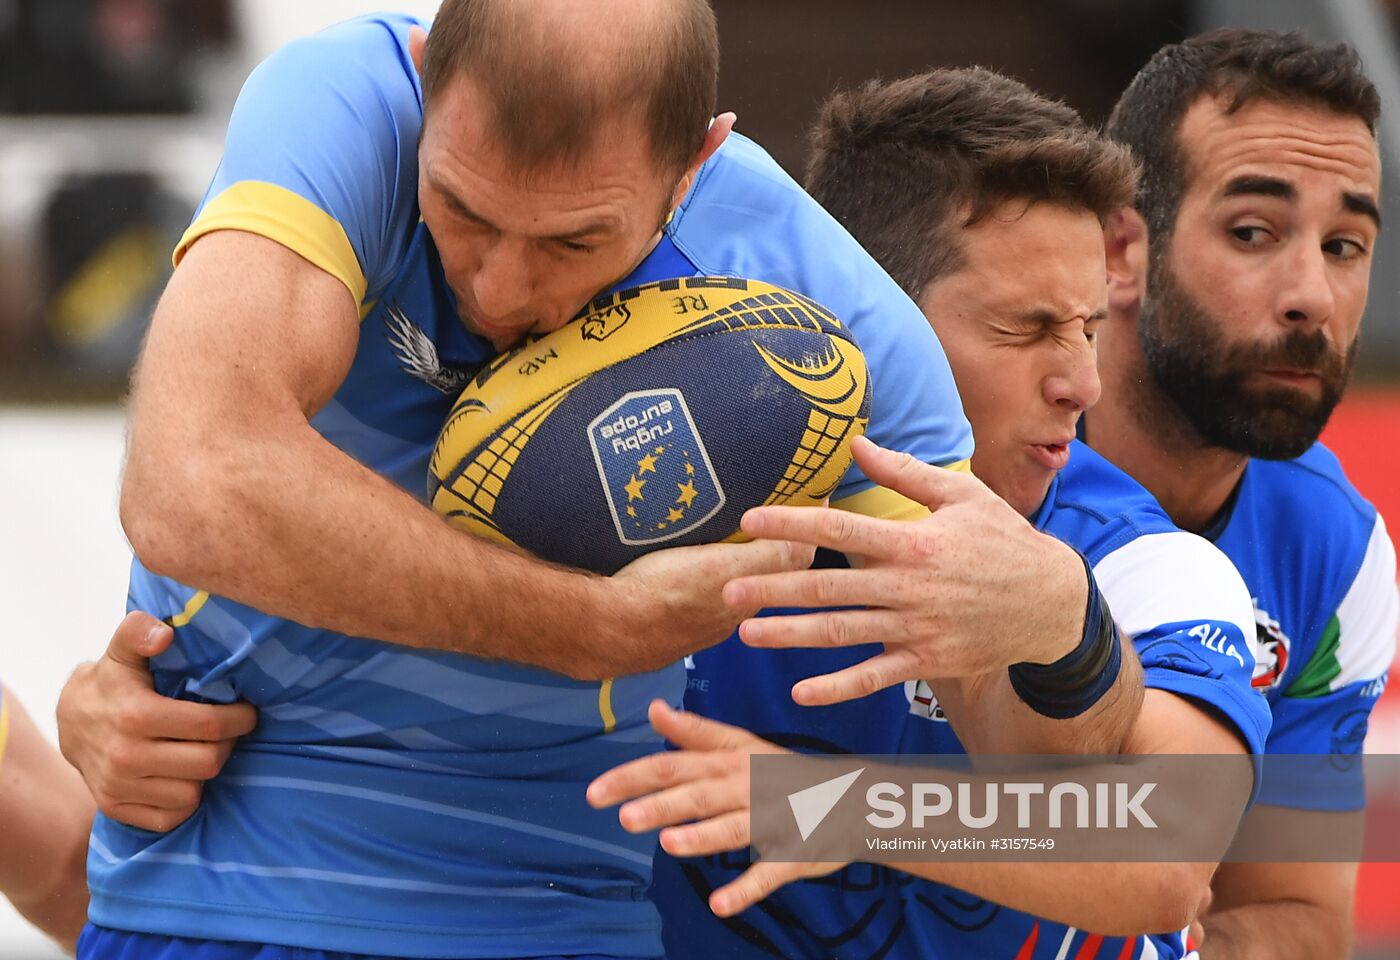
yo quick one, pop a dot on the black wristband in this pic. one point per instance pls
(1078, 680)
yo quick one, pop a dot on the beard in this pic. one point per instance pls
(1208, 379)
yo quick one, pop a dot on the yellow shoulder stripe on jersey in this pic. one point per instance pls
(4, 726)
(195, 604)
(605, 709)
(277, 213)
(885, 504)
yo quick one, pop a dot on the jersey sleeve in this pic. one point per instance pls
(1189, 615)
(1326, 707)
(320, 155)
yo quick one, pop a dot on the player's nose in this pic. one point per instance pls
(1305, 295)
(501, 286)
(1075, 386)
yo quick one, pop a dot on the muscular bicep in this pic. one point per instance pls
(1173, 724)
(247, 334)
(247, 343)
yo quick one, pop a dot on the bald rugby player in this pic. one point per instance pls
(421, 793)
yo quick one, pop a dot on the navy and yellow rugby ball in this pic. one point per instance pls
(654, 419)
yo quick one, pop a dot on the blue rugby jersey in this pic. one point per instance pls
(1159, 582)
(1321, 572)
(419, 804)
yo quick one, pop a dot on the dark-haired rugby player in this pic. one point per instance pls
(1237, 288)
(987, 203)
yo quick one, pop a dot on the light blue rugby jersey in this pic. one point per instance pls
(422, 804)
(1321, 572)
(1160, 583)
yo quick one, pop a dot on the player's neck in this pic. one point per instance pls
(1140, 430)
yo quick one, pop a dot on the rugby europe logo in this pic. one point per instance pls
(654, 468)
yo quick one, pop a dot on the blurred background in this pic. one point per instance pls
(112, 117)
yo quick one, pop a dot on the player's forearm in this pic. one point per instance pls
(989, 717)
(1102, 729)
(286, 523)
(1113, 899)
(59, 911)
(1275, 930)
(45, 816)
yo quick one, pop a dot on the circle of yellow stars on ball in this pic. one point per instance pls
(686, 492)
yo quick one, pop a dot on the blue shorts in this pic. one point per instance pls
(103, 943)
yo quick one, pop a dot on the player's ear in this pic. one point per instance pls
(719, 129)
(417, 43)
(1125, 247)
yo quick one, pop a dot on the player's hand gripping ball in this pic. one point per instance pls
(654, 419)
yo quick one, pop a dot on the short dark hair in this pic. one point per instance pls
(546, 106)
(905, 165)
(1241, 65)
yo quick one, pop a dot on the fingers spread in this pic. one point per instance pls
(691, 801)
(721, 834)
(932, 486)
(852, 683)
(694, 732)
(753, 885)
(656, 772)
(826, 587)
(825, 628)
(841, 530)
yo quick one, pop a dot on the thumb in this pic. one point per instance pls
(139, 637)
(924, 483)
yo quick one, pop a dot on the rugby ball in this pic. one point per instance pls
(653, 419)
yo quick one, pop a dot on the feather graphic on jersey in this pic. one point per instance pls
(419, 355)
